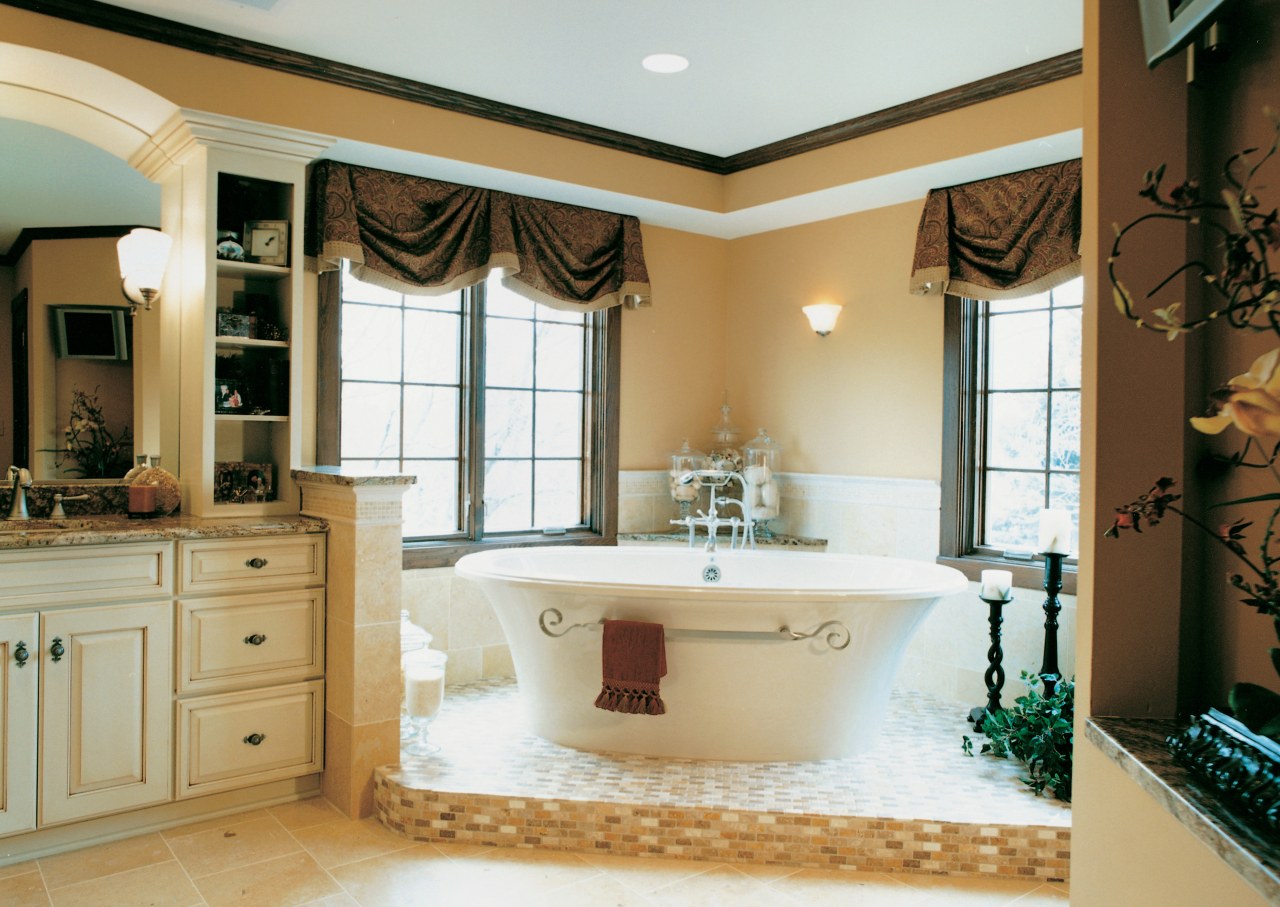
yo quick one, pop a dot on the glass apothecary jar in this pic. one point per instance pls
(684, 461)
(761, 461)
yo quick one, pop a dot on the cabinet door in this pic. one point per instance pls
(19, 670)
(105, 720)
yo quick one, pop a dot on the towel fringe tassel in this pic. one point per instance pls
(630, 701)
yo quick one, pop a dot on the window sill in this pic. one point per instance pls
(1026, 574)
(1138, 746)
(424, 555)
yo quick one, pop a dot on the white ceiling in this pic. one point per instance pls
(761, 71)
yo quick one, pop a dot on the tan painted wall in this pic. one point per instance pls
(674, 352)
(866, 399)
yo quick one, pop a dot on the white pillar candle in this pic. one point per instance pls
(1055, 532)
(997, 585)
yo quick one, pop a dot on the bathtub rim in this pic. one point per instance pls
(473, 567)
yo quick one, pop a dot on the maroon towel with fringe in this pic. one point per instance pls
(634, 659)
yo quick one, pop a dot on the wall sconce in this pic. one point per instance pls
(822, 317)
(143, 254)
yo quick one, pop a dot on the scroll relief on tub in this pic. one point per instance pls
(788, 657)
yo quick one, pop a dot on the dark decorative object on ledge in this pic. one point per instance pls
(994, 676)
(1050, 673)
(1235, 762)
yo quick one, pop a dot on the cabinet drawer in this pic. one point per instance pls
(217, 734)
(85, 573)
(250, 640)
(252, 564)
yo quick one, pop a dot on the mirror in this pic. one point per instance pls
(68, 190)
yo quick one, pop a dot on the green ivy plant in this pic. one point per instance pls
(1038, 732)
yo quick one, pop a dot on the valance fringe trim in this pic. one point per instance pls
(934, 282)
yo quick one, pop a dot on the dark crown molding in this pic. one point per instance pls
(200, 40)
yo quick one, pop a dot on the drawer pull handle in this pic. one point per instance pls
(255, 739)
(256, 563)
(256, 639)
(20, 654)
(56, 650)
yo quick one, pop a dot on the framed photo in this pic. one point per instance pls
(233, 324)
(243, 483)
(1170, 25)
(266, 242)
(228, 396)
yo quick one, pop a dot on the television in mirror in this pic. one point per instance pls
(90, 332)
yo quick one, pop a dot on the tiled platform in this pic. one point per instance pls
(915, 803)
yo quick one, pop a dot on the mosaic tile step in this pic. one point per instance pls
(915, 803)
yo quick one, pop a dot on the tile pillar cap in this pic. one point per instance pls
(347, 476)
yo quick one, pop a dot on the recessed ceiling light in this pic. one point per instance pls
(665, 63)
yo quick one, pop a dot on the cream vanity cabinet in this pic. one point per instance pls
(250, 638)
(87, 641)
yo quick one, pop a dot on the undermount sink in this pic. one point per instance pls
(68, 525)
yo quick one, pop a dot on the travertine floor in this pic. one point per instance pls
(306, 853)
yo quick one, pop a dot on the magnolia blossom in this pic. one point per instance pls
(1251, 401)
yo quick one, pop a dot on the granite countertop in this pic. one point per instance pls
(1137, 746)
(682, 538)
(116, 528)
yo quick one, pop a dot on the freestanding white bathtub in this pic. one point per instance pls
(738, 685)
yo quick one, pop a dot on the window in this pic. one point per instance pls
(500, 406)
(1012, 423)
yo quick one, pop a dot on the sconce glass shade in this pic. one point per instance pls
(822, 317)
(144, 255)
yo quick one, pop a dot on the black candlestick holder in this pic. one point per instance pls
(1049, 671)
(994, 676)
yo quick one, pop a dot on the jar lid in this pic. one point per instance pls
(412, 637)
(762, 441)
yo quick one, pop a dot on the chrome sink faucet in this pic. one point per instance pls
(58, 513)
(21, 479)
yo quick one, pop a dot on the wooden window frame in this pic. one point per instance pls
(963, 429)
(600, 456)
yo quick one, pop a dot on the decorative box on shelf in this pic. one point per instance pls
(233, 324)
(243, 483)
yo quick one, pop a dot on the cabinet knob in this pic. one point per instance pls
(256, 563)
(56, 650)
(256, 639)
(20, 654)
(255, 739)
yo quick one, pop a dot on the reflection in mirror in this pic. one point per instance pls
(63, 200)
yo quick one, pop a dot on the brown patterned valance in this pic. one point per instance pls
(429, 237)
(1001, 238)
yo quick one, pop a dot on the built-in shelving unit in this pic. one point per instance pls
(242, 321)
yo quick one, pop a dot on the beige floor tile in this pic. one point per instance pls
(461, 851)
(283, 882)
(348, 841)
(195, 828)
(597, 891)
(305, 813)
(220, 849)
(23, 890)
(818, 886)
(337, 900)
(161, 885)
(417, 876)
(953, 892)
(103, 860)
(18, 869)
(529, 869)
(722, 885)
(1044, 896)
(645, 874)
